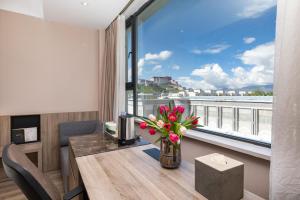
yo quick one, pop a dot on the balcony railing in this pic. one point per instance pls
(247, 119)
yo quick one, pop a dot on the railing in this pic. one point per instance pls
(247, 119)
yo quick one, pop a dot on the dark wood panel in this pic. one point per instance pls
(4, 139)
(4, 130)
(50, 136)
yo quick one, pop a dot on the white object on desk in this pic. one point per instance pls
(30, 134)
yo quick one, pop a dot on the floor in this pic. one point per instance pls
(9, 191)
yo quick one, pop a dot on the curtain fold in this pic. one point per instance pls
(120, 93)
(112, 72)
(107, 74)
(285, 161)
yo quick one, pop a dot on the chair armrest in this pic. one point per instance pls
(73, 193)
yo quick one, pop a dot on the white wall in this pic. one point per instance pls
(46, 67)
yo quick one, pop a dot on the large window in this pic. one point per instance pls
(216, 60)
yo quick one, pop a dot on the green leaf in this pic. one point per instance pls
(158, 139)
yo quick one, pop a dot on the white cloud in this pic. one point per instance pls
(218, 48)
(156, 67)
(261, 60)
(141, 64)
(188, 82)
(212, 74)
(176, 67)
(153, 59)
(163, 55)
(249, 40)
(254, 8)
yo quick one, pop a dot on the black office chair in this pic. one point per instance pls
(33, 183)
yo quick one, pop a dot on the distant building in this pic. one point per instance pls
(220, 92)
(191, 94)
(161, 80)
(231, 92)
(145, 82)
(242, 93)
(208, 91)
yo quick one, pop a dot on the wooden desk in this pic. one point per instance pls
(132, 174)
(89, 145)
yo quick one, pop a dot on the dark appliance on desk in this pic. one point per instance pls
(126, 130)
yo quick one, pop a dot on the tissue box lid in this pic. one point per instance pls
(219, 162)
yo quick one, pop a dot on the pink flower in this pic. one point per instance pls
(143, 125)
(152, 117)
(172, 117)
(160, 124)
(180, 109)
(182, 130)
(152, 131)
(173, 137)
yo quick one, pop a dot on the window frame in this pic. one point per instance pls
(132, 86)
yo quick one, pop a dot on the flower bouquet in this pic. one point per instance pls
(172, 127)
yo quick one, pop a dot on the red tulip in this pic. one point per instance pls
(167, 126)
(180, 109)
(167, 109)
(195, 120)
(143, 125)
(172, 117)
(161, 109)
(173, 137)
(152, 131)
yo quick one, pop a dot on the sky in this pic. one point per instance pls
(205, 44)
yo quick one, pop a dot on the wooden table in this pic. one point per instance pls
(132, 174)
(89, 145)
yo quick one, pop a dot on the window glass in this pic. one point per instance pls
(200, 52)
(129, 100)
(212, 117)
(129, 55)
(245, 121)
(200, 112)
(227, 119)
(264, 124)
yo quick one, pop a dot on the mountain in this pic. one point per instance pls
(264, 88)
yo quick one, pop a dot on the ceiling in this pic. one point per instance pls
(88, 13)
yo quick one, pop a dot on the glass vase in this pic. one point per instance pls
(170, 155)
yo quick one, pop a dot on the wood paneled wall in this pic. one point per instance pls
(4, 131)
(49, 134)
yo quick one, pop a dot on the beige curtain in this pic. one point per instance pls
(107, 74)
(285, 161)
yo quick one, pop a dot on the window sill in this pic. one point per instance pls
(239, 146)
(235, 145)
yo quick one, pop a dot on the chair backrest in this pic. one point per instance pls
(69, 129)
(33, 183)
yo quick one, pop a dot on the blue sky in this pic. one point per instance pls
(204, 44)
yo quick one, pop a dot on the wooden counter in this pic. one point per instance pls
(132, 174)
